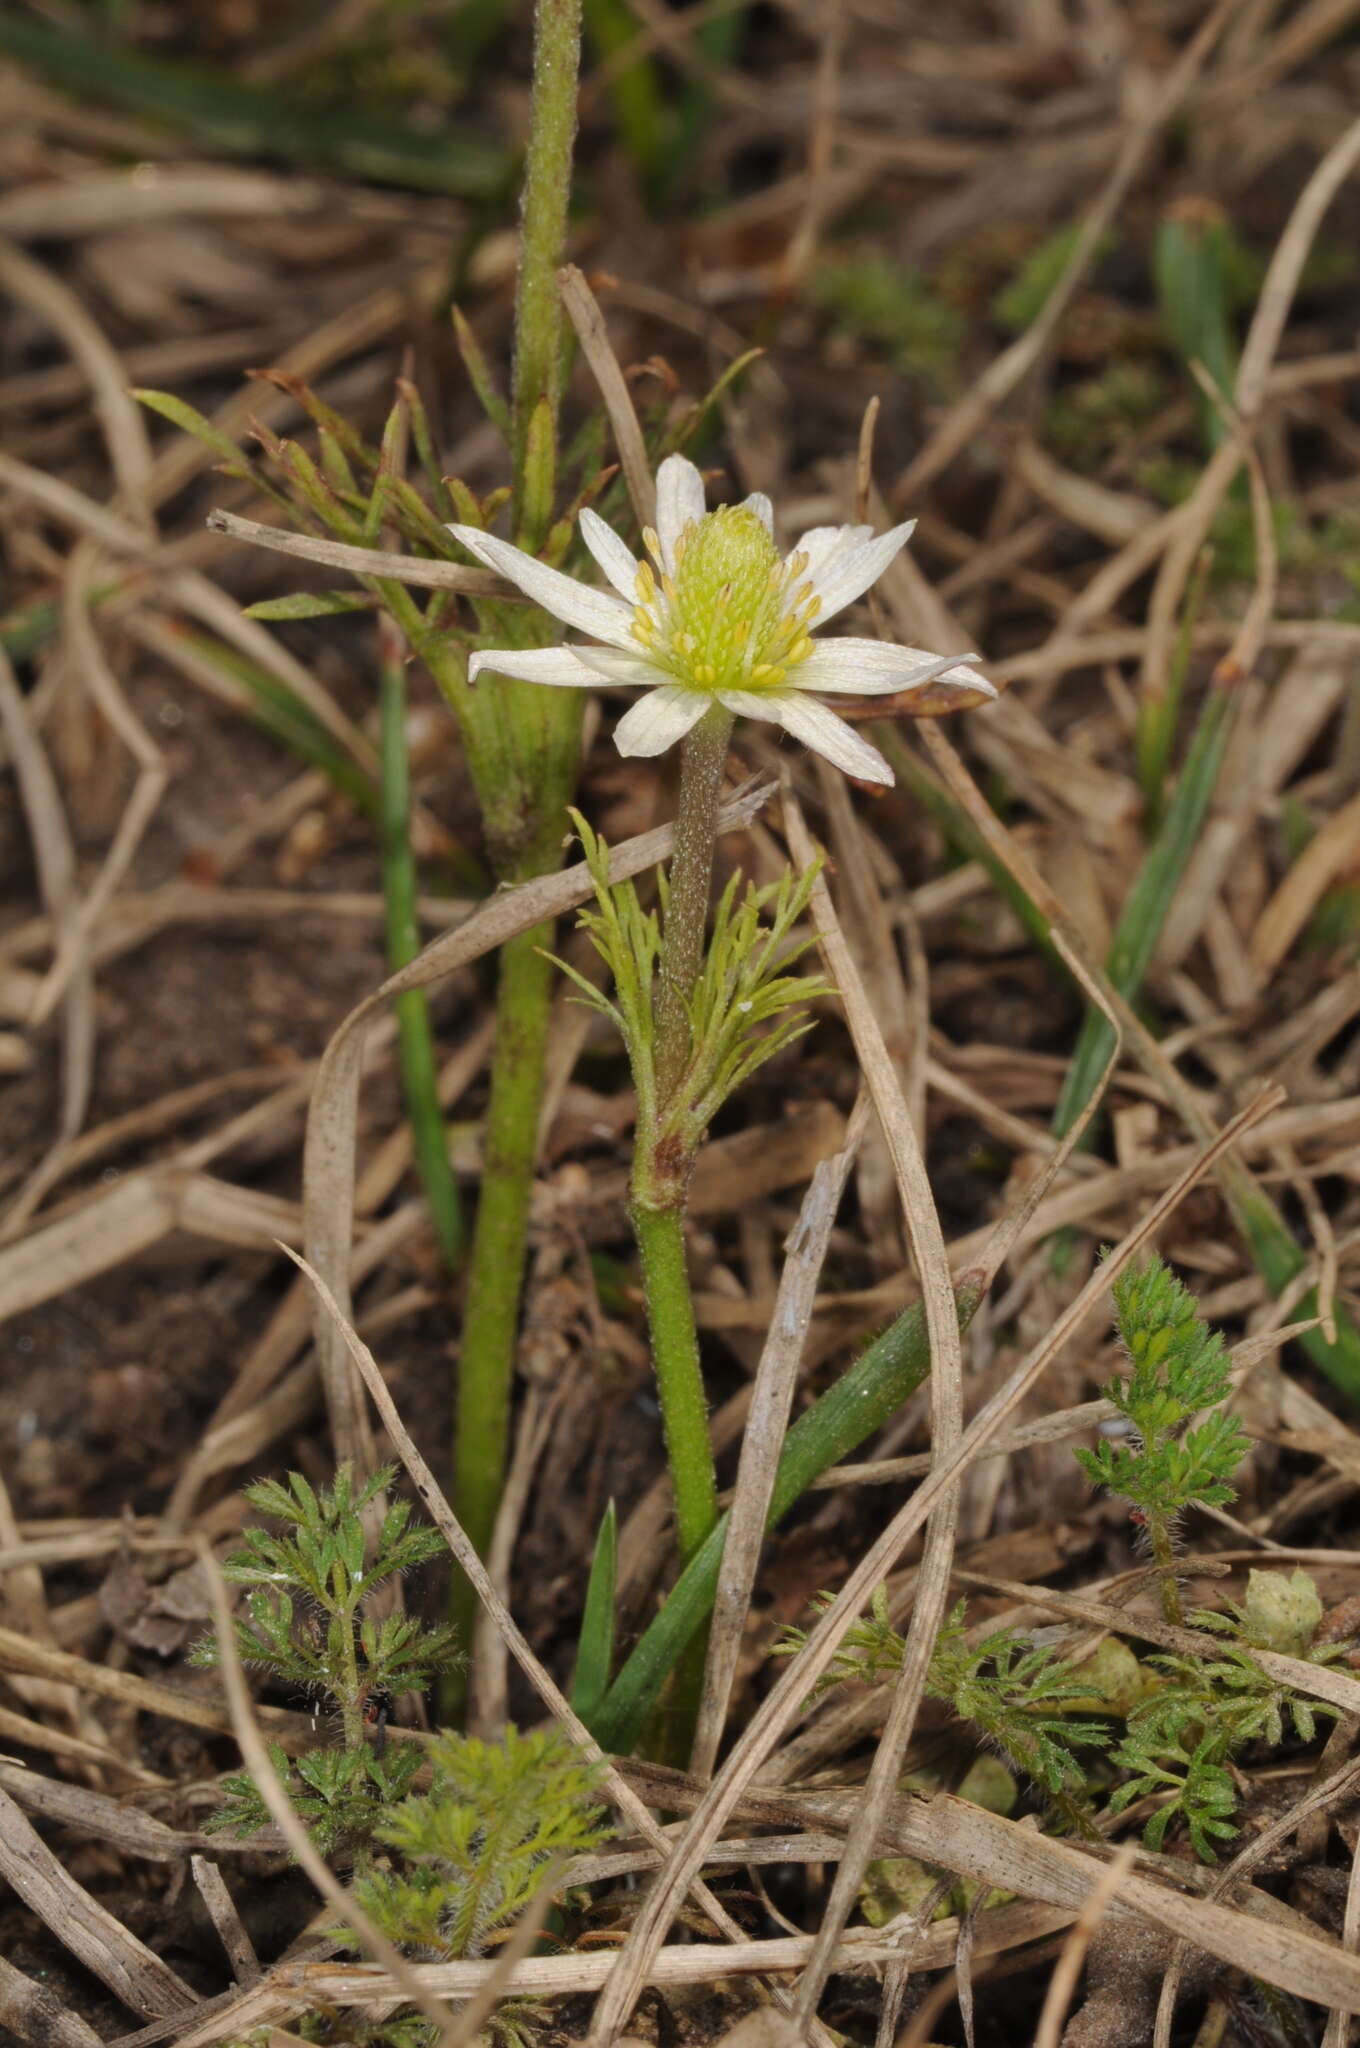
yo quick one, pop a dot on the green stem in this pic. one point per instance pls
(415, 1039)
(844, 1417)
(351, 1710)
(1164, 1557)
(703, 758)
(679, 1379)
(523, 753)
(543, 229)
(496, 1269)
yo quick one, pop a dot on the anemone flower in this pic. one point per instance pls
(718, 617)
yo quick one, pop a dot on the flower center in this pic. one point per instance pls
(733, 616)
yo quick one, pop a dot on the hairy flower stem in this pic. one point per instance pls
(703, 758)
(675, 1360)
(496, 1272)
(661, 1167)
(528, 770)
(543, 229)
(1164, 1557)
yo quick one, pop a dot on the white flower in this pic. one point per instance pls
(716, 615)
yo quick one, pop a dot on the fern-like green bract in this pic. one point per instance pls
(1180, 1368)
(475, 1845)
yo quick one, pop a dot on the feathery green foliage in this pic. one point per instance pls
(470, 1854)
(1016, 1695)
(746, 1006)
(475, 1845)
(338, 1794)
(1180, 1368)
(1186, 1717)
(304, 1622)
(304, 1625)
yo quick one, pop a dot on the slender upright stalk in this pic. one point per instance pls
(702, 760)
(491, 1319)
(543, 230)
(664, 1156)
(1164, 1557)
(415, 1039)
(679, 1381)
(527, 776)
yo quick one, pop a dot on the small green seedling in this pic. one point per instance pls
(305, 1624)
(1180, 1370)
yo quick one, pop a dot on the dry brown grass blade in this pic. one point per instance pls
(1256, 1851)
(132, 1971)
(1320, 1681)
(54, 857)
(19, 1653)
(767, 1420)
(330, 1160)
(586, 317)
(1013, 1857)
(782, 1703)
(1329, 852)
(95, 1813)
(946, 1400)
(76, 1749)
(466, 2029)
(129, 1218)
(1063, 1982)
(36, 2014)
(488, 1706)
(220, 1907)
(88, 660)
(119, 415)
(1013, 365)
(335, 554)
(1338, 2032)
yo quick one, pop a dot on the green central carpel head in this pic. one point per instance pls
(733, 616)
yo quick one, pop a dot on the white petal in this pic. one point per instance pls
(590, 611)
(659, 719)
(635, 671)
(535, 665)
(617, 561)
(763, 509)
(831, 737)
(679, 498)
(846, 575)
(822, 544)
(752, 704)
(874, 668)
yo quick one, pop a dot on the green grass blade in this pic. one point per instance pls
(845, 1416)
(1192, 255)
(245, 120)
(595, 1646)
(1144, 915)
(1159, 710)
(274, 707)
(635, 91)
